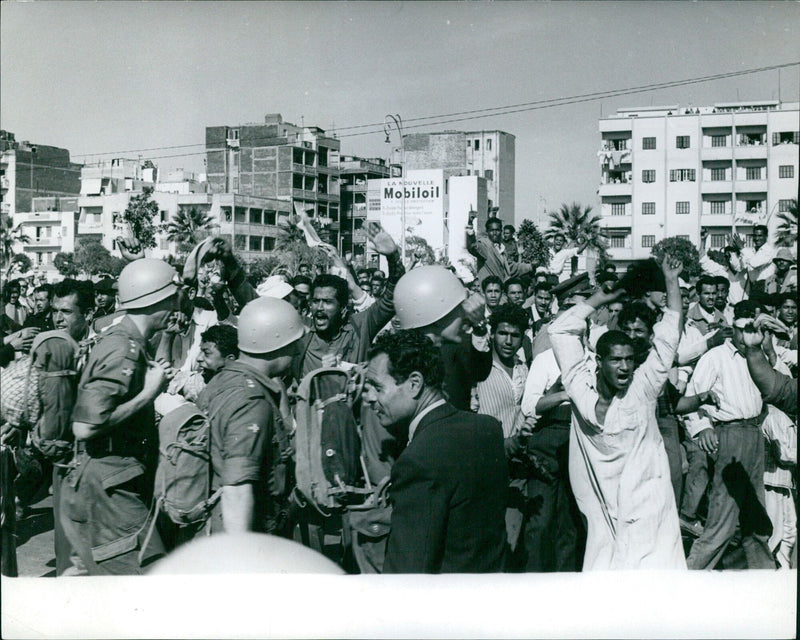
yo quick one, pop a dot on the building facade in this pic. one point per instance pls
(485, 154)
(354, 173)
(47, 229)
(28, 171)
(277, 160)
(673, 171)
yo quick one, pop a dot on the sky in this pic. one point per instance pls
(100, 77)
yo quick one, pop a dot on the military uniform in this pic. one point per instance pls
(246, 443)
(106, 494)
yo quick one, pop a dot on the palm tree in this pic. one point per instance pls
(577, 226)
(188, 227)
(786, 231)
(9, 236)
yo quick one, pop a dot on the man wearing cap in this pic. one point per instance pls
(107, 493)
(247, 407)
(104, 297)
(785, 277)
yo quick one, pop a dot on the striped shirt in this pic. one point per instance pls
(500, 395)
(724, 370)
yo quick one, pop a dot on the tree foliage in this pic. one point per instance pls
(260, 269)
(577, 225)
(65, 263)
(92, 258)
(786, 231)
(139, 214)
(9, 236)
(533, 248)
(419, 247)
(292, 250)
(22, 262)
(188, 227)
(681, 249)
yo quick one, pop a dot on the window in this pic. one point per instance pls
(753, 173)
(489, 173)
(648, 143)
(682, 142)
(719, 141)
(163, 215)
(255, 243)
(648, 241)
(489, 144)
(718, 240)
(240, 242)
(683, 237)
(163, 244)
(786, 171)
(618, 209)
(270, 216)
(255, 216)
(649, 175)
(469, 172)
(235, 184)
(719, 174)
(617, 241)
(269, 243)
(63, 232)
(786, 137)
(718, 207)
(477, 173)
(477, 145)
(682, 207)
(682, 175)
(648, 208)
(783, 205)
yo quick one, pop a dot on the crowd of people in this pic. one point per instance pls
(529, 419)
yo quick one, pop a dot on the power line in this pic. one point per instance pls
(487, 112)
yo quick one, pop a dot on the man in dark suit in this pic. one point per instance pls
(449, 484)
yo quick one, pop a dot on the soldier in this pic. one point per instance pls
(104, 297)
(107, 492)
(246, 404)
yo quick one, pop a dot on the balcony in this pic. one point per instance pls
(608, 221)
(90, 228)
(751, 186)
(620, 253)
(615, 189)
(715, 219)
(34, 243)
(304, 169)
(751, 151)
(716, 186)
(716, 153)
(40, 216)
(304, 194)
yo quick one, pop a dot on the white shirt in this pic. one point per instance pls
(723, 370)
(500, 395)
(560, 262)
(417, 418)
(618, 468)
(738, 280)
(759, 263)
(544, 373)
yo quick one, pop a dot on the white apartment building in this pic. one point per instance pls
(672, 171)
(48, 229)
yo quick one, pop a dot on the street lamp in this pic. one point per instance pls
(396, 122)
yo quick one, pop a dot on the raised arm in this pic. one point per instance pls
(775, 388)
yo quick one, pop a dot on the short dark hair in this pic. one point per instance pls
(491, 280)
(703, 281)
(511, 314)
(410, 351)
(336, 283)
(493, 221)
(298, 279)
(225, 337)
(781, 298)
(512, 280)
(634, 311)
(378, 274)
(722, 280)
(83, 289)
(363, 270)
(612, 338)
(606, 276)
(761, 227)
(559, 235)
(745, 309)
(45, 288)
(509, 227)
(730, 249)
(543, 286)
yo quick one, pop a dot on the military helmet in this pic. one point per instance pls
(268, 324)
(427, 294)
(145, 282)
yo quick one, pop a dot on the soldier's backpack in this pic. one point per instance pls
(20, 384)
(329, 465)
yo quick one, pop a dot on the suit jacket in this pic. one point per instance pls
(464, 366)
(448, 492)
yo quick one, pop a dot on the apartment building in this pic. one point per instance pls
(354, 172)
(278, 160)
(674, 171)
(28, 171)
(485, 154)
(48, 228)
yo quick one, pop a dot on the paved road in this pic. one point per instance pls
(35, 551)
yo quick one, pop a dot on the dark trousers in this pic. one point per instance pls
(737, 498)
(63, 547)
(696, 481)
(668, 427)
(553, 536)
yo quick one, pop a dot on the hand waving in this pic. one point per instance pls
(130, 248)
(672, 267)
(382, 241)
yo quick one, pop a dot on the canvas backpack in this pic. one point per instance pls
(21, 383)
(329, 464)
